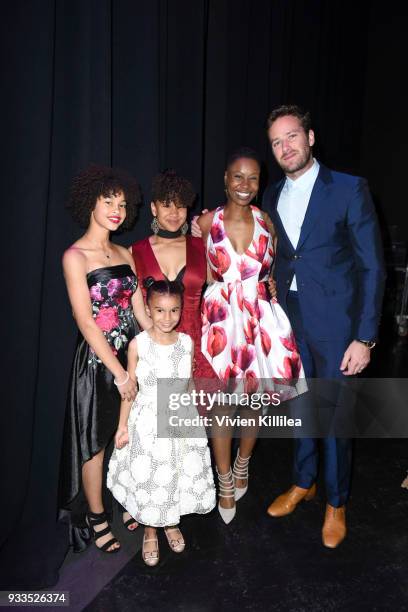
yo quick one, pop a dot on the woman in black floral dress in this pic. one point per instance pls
(102, 287)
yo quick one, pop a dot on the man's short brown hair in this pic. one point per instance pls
(290, 109)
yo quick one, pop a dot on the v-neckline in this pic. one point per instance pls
(229, 240)
(158, 265)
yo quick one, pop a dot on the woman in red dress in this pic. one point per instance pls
(170, 254)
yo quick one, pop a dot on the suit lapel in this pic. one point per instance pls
(316, 204)
(275, 216)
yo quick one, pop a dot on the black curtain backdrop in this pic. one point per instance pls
(144, 86)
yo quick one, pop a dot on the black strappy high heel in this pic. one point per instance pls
(93, 518)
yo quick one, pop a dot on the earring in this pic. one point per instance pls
(155, 225)
(184, 228)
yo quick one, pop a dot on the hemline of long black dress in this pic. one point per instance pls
(93, 402)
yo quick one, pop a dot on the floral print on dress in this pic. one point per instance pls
(112, 311)
(245, 334)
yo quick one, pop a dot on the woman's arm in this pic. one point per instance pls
(139, 309)
(122, 435)
(195, 227)
(271, 229)
(138, 305)
(74, 266)
(204, 223)
(210, 278)
(191, 385)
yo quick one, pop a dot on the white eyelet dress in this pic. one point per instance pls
(160, 479)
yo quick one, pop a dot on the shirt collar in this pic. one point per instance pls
(306, 181)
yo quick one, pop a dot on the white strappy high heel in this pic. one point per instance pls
(226, 490)
(240, 471)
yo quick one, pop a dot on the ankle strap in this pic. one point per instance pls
(97, 518)
(225, 484)
(224, 477)
(242, 460)
(241, 466)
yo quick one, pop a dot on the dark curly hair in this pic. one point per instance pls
(168, 187)
(96, 181)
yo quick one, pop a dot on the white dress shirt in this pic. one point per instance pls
(292, 206)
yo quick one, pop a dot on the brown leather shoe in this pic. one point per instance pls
(287, 502)
(334, 527)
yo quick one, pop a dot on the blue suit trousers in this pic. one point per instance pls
(321, 359)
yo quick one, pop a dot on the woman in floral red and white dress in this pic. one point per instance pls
(246, 335)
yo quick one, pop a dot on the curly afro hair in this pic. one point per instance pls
(96, 181)
(168, 187)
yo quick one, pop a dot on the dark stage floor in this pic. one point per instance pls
(260, 563)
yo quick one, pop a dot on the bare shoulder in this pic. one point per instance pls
(74, 259)
(126, 254)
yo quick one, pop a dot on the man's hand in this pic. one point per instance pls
(356, 358)
(272, 287)
(195, 228)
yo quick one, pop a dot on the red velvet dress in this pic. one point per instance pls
(193, 280)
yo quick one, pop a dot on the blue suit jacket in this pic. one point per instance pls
(338, 260)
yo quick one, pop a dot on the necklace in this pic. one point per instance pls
(163, 233)
(168, 234)
(108, 254)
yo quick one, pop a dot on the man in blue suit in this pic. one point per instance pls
(329, 276)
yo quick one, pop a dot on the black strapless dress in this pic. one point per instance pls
(93, 405)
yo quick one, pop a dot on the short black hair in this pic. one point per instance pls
(168, 186)
(96, 181)
(241, 152)
(290, 109)
(162, 287)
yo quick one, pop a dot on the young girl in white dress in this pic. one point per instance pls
(159, 479)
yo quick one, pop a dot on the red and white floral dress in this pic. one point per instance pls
(245, 334)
